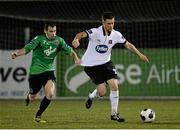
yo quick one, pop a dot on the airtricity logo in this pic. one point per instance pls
(101, 48)
(76, 81)
(132, 74)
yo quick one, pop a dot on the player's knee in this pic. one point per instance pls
(32, 97)
(114, 88)
(102, 93)
(49, 96)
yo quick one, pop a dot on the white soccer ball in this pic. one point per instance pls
(147, 115)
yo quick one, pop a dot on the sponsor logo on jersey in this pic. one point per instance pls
(49, 51)
(101, 48)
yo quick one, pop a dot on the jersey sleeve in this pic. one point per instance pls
(32, 45)
(91, 32)
(65, 47)
(120, 38)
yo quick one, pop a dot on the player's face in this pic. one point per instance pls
(108, 25)
(50, 32)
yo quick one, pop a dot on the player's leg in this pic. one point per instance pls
(95, 73)
(34, 87)
(114, 95)
(111, 78)
(27, 100)
(49, 92)
(47, 80)
(100, 91)
(30, 98)
(114, 99)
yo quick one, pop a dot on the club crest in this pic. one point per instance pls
(56, 42)
(110, 42)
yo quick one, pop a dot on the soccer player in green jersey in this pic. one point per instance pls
(45, 48)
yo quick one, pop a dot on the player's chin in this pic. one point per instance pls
(52, 37)
(109, 31)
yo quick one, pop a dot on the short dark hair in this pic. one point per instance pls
(49, 24)
(107, 15)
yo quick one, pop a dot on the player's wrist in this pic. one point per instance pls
(15, 54)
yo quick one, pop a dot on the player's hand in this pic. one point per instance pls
(144, 58)
(75, 43)
(78, 61)
(14, 55)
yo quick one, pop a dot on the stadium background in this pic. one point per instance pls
(152, 26)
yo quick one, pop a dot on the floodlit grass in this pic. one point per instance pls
(72, 114)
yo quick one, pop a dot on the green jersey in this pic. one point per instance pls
(44, 52)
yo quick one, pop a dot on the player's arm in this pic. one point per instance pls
(133, 49)
(17, 53)
(68, 51)
(75, 57)
(27, 48)
(77, 38)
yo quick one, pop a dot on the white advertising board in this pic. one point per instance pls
(14, 76)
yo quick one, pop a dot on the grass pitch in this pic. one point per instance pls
(72, 114)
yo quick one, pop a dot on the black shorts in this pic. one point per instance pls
(37, 81)
(101, 73)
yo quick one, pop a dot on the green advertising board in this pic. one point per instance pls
(159, 77)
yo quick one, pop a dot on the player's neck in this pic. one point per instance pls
(105, 32)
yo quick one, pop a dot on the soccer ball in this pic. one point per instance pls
(147, 115)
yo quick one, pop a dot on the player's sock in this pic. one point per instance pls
(114, 99)
(44, 104)
(90, 98)
(94, 95)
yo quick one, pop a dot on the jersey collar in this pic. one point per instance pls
(104, 33)
(49, 39)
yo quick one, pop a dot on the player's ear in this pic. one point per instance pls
(45, 31)
(103, 21)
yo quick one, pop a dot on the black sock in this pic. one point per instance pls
(44, 104)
